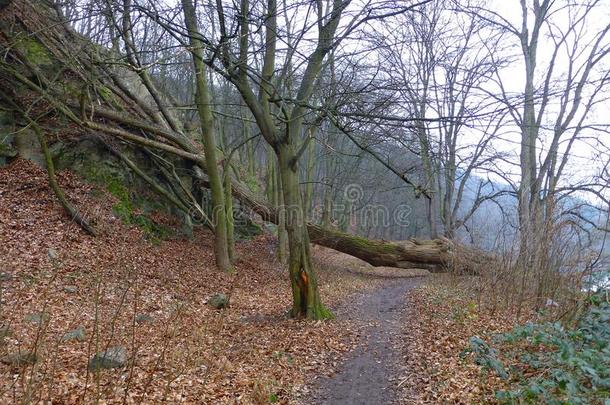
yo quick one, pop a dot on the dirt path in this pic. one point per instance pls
(370, 373)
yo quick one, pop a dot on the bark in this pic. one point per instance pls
(229, 213)
(282, 237)
(308, 198)
(305, 295)
(202, 98)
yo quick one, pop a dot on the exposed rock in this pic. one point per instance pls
(76, 334)
(52, 253)
(144, 318)
(70, 289)
(19, 359)
(7, 150)
(27, 147)
(38, 317)
(219, 301)
(551, 304)
(245, 228)
(113, 357)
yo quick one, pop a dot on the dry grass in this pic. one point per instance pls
(443, 315)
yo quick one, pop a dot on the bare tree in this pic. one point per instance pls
(562, 52)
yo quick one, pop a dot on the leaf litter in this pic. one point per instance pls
(188, 352)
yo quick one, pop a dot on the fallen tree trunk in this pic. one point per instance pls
(405, 254)
(432, 254)
(124, 117)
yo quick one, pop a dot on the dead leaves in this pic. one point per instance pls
(189, 353)
(441, 320)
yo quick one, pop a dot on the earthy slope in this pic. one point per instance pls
(187, 351)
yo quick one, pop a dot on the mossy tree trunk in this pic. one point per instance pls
(311, 154)
(228, 189)
(282, 237)
(306, 300)
(202, 99)
(305, 295)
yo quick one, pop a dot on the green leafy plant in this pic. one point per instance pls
(462, 315)
(566, 366)
(486, 356)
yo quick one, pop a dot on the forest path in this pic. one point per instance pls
(370, 373)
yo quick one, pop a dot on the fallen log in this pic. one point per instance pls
(405, 254)
(431, 254)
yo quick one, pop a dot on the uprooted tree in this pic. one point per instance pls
(57, 82)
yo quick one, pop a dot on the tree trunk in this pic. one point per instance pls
(229, 213)
(327, 208)
(306, 301)
(282, 237)
(311, 149)
(435, 254)
(202, 99)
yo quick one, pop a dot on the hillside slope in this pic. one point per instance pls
(151, 299)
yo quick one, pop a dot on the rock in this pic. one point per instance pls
(27, 144)
(7, 150)
(551, 304)
(70, 289)
(19, 359)
(245, 228)
(76, 334)
(114, 357)
(40, 317)
(219, 301)
(52, 254)
(6, 276)
(144, 318)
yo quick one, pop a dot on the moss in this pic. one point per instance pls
(126, 208)
(247, 229)
(108, 96)
(367, 244)
(252, 183)
(34, 51)
(324, 313)
(6, 150)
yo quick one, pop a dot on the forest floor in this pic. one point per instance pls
(394, 338)
(149, 299)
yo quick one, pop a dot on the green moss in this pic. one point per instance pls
(108, 96)
(324, 313)
(252, 183)
(246, 229)
(6, 150)
(126, 208)
(34, 51)
(367, 244)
